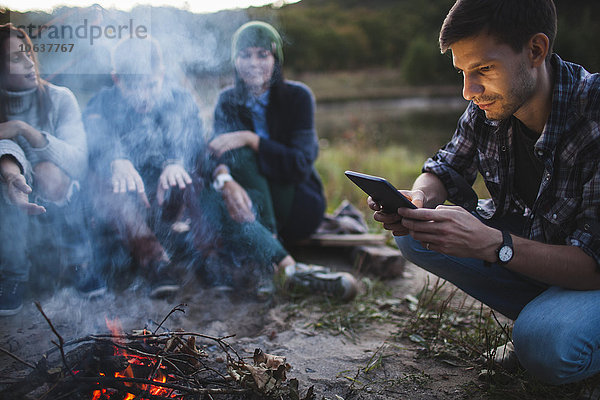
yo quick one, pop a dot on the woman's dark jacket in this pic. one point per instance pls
(288, 155)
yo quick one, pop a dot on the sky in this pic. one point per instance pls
(197, 6)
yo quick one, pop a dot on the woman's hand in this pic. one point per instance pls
(18, 192)
(14, 128)
(173, 175)
(233, 140)
(125, 178)
(238, 202)
(393, 222)
(10, 129)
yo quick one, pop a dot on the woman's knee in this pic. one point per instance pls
(51, 182)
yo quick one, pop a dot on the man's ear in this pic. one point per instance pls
(538, 48)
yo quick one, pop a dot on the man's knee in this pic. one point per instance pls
(410, 248)
(51, 182)
(551, 349)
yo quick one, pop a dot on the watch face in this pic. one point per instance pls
(505, 253)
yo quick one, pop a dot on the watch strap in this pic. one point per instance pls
(506, 238)
(506, 242)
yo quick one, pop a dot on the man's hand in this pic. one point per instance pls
(451, 230)
(18, 192)
(125, 178)
(238, 202)
(393, 222)
(173, 175)
(233, 140)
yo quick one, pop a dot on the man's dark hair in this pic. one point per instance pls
(512, 22)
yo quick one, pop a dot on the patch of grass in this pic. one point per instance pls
(342, 318)
(420, 379)
(374, 83)
(398, 164)
(455, 330)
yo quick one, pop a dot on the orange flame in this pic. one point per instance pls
(116, 329)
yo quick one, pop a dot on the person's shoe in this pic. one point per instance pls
(11, 297)
(319, 279)
(505, 356)
(265, 288)
(162, 283)
(87, 282)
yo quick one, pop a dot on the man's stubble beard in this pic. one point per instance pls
(520, 92)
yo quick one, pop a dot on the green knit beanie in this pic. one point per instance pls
(257, 34)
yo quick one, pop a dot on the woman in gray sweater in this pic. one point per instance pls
(43, 155)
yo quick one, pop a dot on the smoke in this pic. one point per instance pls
(74, 47)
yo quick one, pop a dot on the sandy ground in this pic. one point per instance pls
(321, 359)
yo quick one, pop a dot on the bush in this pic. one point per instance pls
(423, 63)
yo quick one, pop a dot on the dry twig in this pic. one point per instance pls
(8, 353)
(61, 341)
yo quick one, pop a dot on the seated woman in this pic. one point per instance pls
(266, 145)
(265, 137)
(43, 154)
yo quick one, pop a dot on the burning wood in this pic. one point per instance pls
(147, 365)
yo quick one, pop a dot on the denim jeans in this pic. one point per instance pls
(293, 211)
(556, 331)
(14, 263)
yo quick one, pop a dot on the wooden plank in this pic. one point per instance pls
(346, 240)
(381, 261)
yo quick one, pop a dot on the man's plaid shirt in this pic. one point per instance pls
(567, 208)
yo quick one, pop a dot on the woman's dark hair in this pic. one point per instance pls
(6, 32)
(511, 22)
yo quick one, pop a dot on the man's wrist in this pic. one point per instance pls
(506, 250)
(491, 250)
(433, 189)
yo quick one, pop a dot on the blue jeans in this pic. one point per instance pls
(14, 263)
(47, 242)
(556, 331)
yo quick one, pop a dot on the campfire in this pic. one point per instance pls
(147, 365)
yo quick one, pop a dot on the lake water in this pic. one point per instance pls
(420, 123)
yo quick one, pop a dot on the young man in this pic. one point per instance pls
(532, 130)
(141, 133)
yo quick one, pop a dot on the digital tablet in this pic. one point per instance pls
(381, 191)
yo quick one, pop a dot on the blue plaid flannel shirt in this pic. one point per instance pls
(567, 208)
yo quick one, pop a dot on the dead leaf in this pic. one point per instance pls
(260, 376)
(171, 344)
(270, 361)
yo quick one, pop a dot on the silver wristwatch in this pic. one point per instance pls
(505, 251)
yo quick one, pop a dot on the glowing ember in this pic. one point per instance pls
(148, 364)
